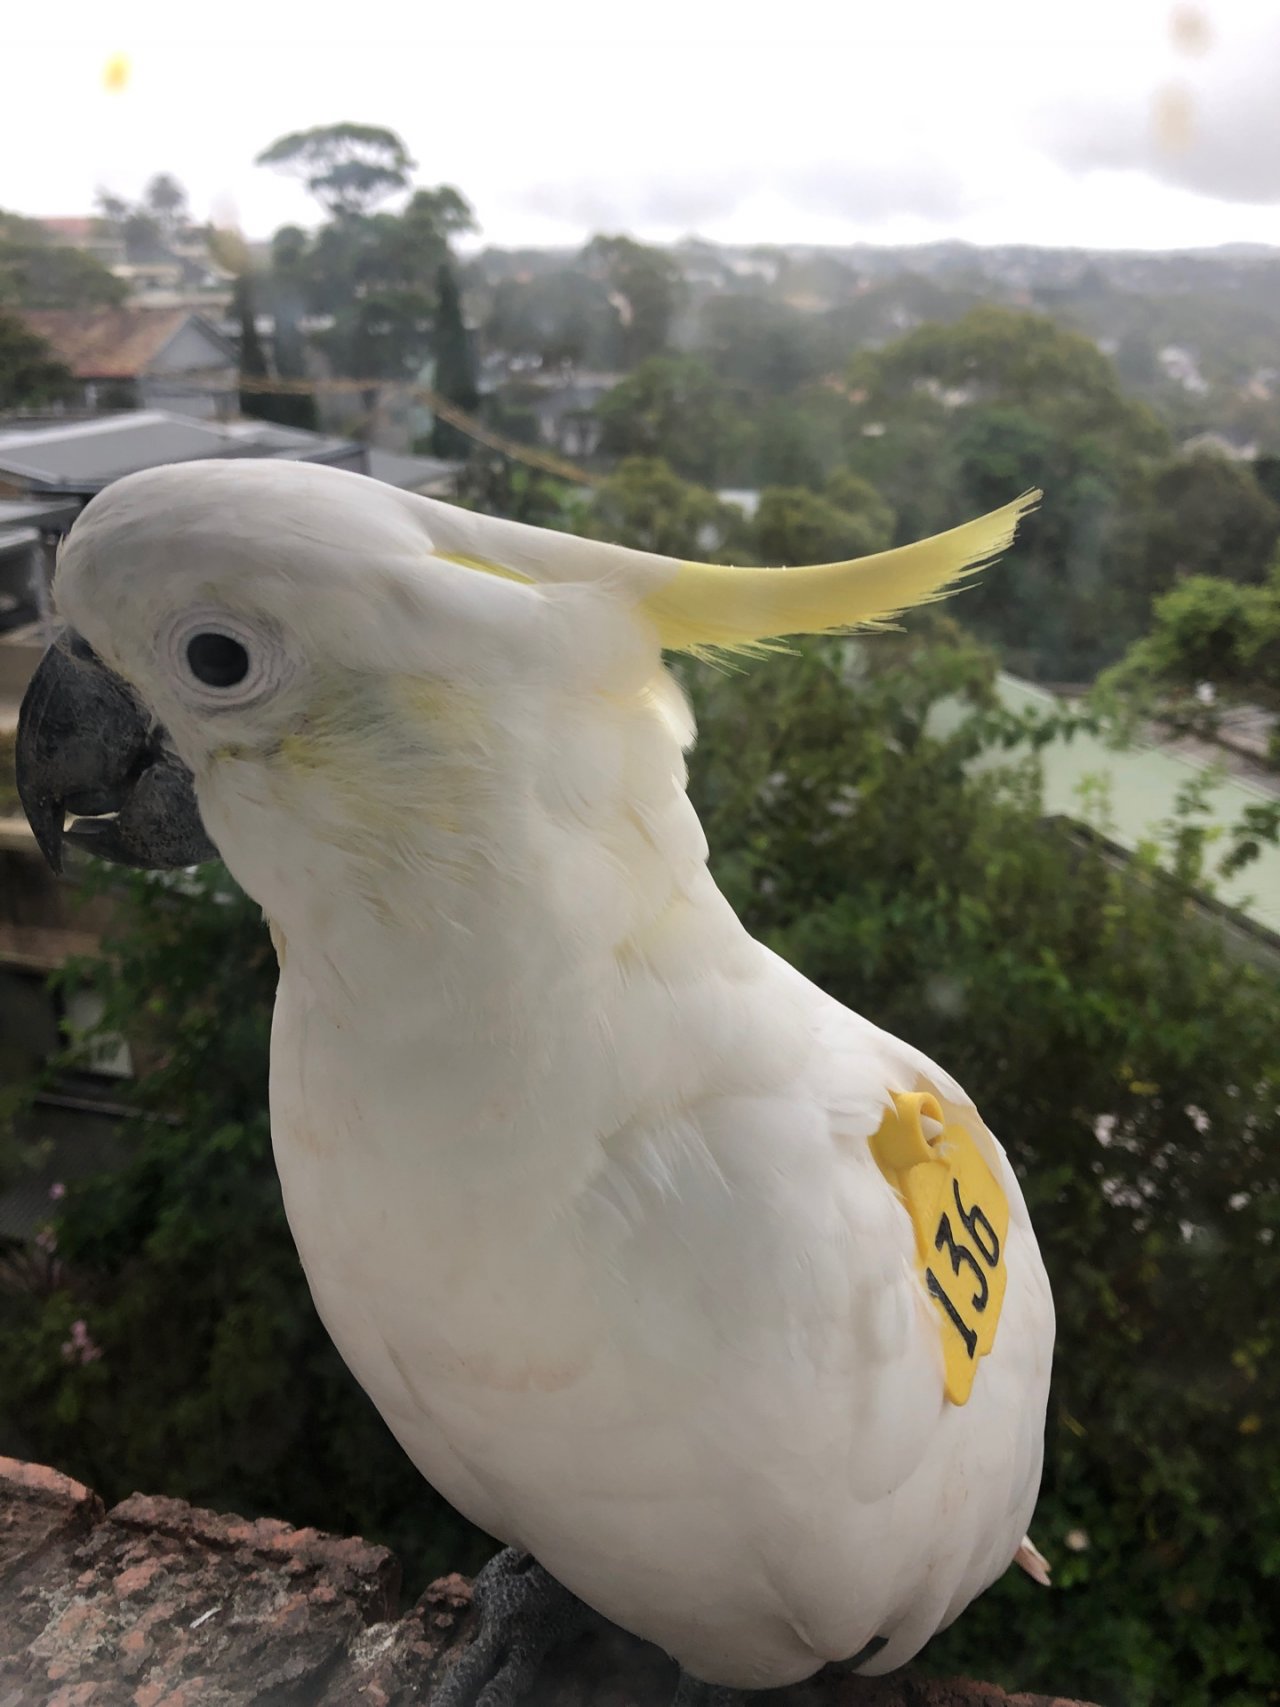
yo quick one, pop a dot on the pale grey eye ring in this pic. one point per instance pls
(221, 660)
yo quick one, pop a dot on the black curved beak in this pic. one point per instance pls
(87, 746)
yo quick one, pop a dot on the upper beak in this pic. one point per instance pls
(87, 745)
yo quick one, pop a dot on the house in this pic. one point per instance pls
(161, 272)
(141, 358)
(564, 408)
(95, 236)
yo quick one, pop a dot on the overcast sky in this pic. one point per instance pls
(1099, 122)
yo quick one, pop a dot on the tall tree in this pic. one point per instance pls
(253, 359)
(371, 275)
(165, 199)
(675, 408)
(455, 365)
(30, 374)
(348, 168)
(35, 273)
(647, 288)
(645, 505)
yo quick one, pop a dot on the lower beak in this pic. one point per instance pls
(87, 746)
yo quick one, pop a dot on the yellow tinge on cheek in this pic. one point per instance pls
(406, 757)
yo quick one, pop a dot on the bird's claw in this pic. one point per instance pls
(523, 1614)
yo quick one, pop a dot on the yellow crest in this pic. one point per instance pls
(709, 607)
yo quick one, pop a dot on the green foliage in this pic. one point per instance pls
(952, 419)
(36, 273)
(856, 496)
(1128, 1063)
(766, 346)
(215, 1381)
(1126, 1059)
(792, 525)
(1027, 360)
(29, 373)
(643, 504)
(1209, 517)
(1206, 634)
(253, 361)
(375, 277)
(646, 287)
(497, 486)
(455, 376)
(675, 408)
(562, 316)
(348, 168)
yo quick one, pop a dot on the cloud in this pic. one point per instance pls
(871, 191)
(1206, 117)
(863, 193)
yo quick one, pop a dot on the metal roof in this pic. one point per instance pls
(1128, 793)
(83, 456)
(51, 514)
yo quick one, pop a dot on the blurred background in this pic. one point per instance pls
(756, 290)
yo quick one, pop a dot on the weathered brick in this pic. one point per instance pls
(160, 1604)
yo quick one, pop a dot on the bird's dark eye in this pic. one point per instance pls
(217, 660)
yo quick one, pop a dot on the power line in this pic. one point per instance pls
(467, 424)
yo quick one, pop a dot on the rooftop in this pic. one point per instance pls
(1127, 793)
(114, 343)
(82, 456)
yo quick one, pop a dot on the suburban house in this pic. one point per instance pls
(94, 236)
(144, 358)
(177, 271)
(564, 409)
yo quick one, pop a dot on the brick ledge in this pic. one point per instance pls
(156, 1603)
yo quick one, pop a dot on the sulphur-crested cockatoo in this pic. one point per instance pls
(717, 1301)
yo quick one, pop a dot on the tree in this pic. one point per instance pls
(147, 227)
(754, 341)
(348, 168)
(645, 505)
(858, 497)
(671, 407)
(953, 419)
(165, 199)
(1212, 643)
(996, 355)
(35, 273)
(253, 360)
(647, 288)
(455, 377)
(374, 277)
(1209, 516)
(30, 374)
(563, 316)
(1126, 1057)
(792, 525)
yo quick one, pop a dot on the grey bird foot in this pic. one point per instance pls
(524, 1613)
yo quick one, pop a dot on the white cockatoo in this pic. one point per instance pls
(667, 1270)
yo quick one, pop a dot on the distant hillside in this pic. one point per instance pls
(1196, 332)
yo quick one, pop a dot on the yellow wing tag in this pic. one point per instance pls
(961, 1220)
